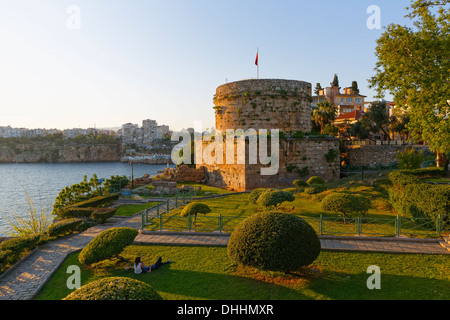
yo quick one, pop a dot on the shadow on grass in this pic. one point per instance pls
(342, 286)
(185, 284)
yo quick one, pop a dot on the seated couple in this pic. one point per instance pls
(139, 267)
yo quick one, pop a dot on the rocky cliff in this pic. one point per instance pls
(48, 152)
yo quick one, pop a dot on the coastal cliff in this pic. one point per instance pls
(47, 152)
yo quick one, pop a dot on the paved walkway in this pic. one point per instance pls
(25, 279)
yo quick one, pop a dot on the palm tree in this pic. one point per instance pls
(325, 113)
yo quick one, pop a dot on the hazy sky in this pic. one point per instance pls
(163, 60)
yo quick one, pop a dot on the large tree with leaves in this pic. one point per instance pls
(414, 66)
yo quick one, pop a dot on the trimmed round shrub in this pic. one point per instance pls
(107, 244)
(255, 194)
(274, 198)
(315, 180)
(315, 188)
(115, 288)
(299, 183)
(346, 204)
(193, 208)
(274, 241)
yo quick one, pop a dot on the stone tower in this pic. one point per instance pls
(264, 104)
(271, 104)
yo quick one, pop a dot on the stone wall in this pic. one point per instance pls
(264, 104)
(374, 155)
(298, 159)
(185, 173)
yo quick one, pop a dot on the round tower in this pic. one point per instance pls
(264, 104)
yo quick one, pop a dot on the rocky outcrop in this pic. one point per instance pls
(51, 153)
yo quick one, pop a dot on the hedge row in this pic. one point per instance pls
(82, 215)
(11, 250)
(96, 201)
(418, 200)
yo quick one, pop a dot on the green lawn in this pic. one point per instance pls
(128, 210)
(380, 221)
(207, 273)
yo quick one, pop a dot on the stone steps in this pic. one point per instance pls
(445, 242)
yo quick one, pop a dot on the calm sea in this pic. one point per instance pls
(43, 182)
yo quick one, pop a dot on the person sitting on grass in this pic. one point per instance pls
(139, 266)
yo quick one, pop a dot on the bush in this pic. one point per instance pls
(418, 200)
(100, 215)
(315, 188)
(115, 288)
(274, 198)
(20, 244)
(11, 250)
(431, 172)
(409, 158)
(64, 226)
(107, 244)
(96, 201)
(346, 204)
(299, 183)
(315, 180)
(74, 212)
(274, 241)
(255, 194)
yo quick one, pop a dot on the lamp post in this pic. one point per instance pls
(132, 175)
(101, 181)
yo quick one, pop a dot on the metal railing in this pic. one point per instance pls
(323, 225)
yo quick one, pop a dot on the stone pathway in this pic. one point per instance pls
(25, 279)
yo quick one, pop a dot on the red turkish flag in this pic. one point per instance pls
(256, 61)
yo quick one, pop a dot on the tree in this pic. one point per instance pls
(399, 122)
(346, 204)
(194, 208)
(317, 88)
(359, 130)
(325, 113)
(355, 87)
(335, 82)
(376, 118)
(413, 65)
(76, 193)
(274, 198)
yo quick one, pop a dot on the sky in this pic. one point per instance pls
(111, 62)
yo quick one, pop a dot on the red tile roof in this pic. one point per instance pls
(355, 114)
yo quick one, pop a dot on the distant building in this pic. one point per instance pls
(145, 135)
(9, 132)
(345, 102)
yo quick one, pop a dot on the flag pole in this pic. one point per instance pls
(257, 63)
